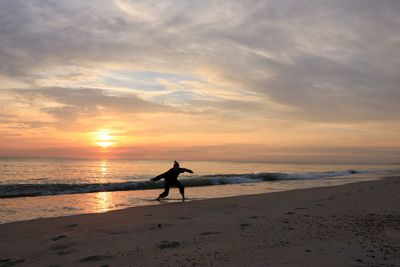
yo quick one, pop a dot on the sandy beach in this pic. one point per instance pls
(348, 225)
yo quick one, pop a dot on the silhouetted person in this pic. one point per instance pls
(170, 179)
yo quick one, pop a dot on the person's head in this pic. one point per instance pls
(176, 164)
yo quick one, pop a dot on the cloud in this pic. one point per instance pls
(66, 106)
(245, 62)
(329, 61)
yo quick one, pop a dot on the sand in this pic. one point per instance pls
(349, 225)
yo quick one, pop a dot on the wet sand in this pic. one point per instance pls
(348, 225)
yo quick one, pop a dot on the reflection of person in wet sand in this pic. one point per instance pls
(171, 178)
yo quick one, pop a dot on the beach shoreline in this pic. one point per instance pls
(51, 206)
(355, 224)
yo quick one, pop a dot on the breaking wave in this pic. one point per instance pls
(46, 189)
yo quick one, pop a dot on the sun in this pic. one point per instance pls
(104, 139)
(104, 144)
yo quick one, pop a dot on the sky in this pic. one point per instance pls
(268, 80)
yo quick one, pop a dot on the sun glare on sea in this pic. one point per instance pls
(104, 139)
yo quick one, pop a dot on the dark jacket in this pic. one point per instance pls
(171, 175)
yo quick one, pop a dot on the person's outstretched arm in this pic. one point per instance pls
(159, 177)
(186, 170)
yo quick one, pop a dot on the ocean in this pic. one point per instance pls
(41, 188)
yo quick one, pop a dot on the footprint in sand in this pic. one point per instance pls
(210, 233)
(243, 225)
(60, 250)
(10, 262)
(58, 237)
(156, 227)
(71, 225)
(256, 217)
(168, 244)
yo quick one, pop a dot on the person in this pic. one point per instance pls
(170, 179)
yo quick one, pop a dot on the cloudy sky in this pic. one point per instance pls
(268, 80)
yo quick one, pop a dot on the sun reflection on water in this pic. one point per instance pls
(104, 201)
(103, 168)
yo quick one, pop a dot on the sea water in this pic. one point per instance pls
(39, 188)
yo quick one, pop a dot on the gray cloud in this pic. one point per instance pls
(335, 61)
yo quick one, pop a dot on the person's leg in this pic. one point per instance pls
(166, 191)
(181, 188)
